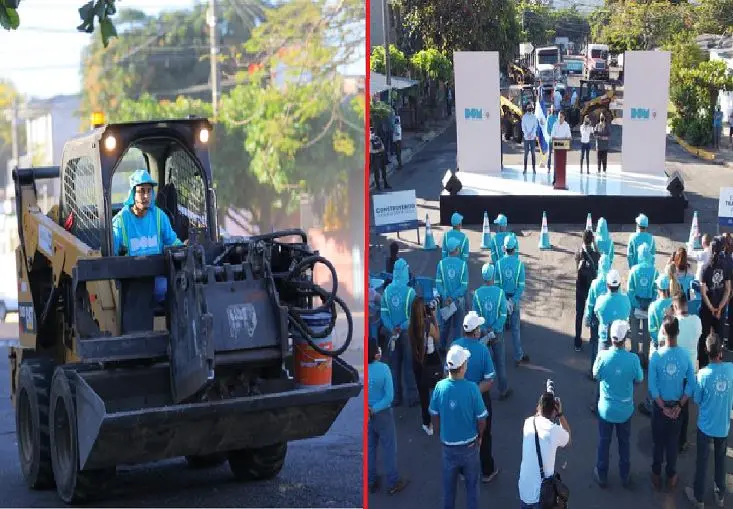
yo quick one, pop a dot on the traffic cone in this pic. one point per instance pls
(694, 242)
(429, 240)
(589, 222)
(486, 236)
(544, 234)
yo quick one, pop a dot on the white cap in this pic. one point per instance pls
(457, 356)
(619, 329)
(613, 278)
(472, 321)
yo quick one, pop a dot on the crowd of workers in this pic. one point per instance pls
(448, 342)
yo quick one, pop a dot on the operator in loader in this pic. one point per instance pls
(141, 228)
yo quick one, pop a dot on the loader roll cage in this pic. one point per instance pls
(93, 191)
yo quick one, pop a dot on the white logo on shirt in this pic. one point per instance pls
(141, 243)
(644, 281)
(671, 368)
(452, 404)
(721, 385)
(489, 306)
(395, 301)
(509, 273)
(451, 273)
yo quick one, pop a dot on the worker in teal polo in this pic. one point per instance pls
(510, 274)
(141, 228)
(603, 239)
(489, 301)
(451, 281)
(639, 237)
(497, 238)
(641, 292)
(395, 313)
(598, 288)
(456, 221)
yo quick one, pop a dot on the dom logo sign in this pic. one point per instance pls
(642, 114)
(476, 114)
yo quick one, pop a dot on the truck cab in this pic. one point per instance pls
(548, 64)
(596, 62)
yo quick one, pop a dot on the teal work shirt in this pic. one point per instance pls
(610, 307)
(480, 366)
(489, 302)
(451, 278)
(143, 236)
(656, 313)
(462, 242)
(642, 283)
(714, 397)
(669, 367)
(460, 407)
(635, 242)
(497, 245)
(397, 305)
(381, 388)
(617, 370)
(605, 247)
(598, 288)
(510, 277)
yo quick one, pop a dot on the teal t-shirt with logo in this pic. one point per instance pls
(617, 370)
(459, 405)
(480, 366)
(714, 397)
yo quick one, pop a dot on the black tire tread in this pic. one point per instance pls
(206, 460)
(258, 464)
(41, 372)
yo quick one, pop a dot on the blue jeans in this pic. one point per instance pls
(522, 505)
(498, 356)
(701, 464)
(529, 146)
(461, 459)
(514, 322)
(666, 435)
(400, 363)
(453, 327)
(382, 433)
(623, 435)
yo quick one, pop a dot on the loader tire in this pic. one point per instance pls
(258, 464)
(73, 486)
(206, 461)
(32, 423)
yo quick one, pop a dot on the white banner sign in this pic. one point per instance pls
(725, 207)
(646, 96)
(395, 212)
(478, 124)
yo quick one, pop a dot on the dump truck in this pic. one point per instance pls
(235, 362)
(594, 98)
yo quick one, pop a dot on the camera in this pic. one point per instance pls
(550, 386)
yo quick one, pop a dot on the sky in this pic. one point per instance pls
(43, 57)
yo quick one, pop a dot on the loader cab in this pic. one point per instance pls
(97, 166)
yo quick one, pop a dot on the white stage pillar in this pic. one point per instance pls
(478, 113)
(646, 95)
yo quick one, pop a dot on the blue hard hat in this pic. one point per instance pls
(456, 219)
(510, 242)
(501, 220)
(642, 220)
(487, 271)
(138, 178)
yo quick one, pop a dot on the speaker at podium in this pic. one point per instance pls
(560, 147)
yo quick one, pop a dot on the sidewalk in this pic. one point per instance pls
(723, 156)
(414, 141)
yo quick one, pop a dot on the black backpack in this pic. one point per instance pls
(587, 268)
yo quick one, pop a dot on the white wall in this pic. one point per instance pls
(477, 93)
(646, 96)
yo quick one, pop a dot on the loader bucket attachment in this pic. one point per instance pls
(121, 422)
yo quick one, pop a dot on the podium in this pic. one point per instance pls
(560, 148)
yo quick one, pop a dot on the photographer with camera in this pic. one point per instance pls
(489, 301)
(541, 438)
(426, 362)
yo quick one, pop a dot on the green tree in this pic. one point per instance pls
(90, 12)
(432, 64)
(715, 17)
(487, 25)
(537, 23)
(397, 62)
(8, 95)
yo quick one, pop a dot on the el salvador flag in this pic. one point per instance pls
(542, 135)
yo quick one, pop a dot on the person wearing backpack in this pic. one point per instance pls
(586, 260)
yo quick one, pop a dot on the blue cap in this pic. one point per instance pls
(642, 220)
(510, 242)
(456, 219)
(663, 282)
(136, 179)
(487, 272)
(453, 244)
(501, 220)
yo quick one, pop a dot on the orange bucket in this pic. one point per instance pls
(313, 369)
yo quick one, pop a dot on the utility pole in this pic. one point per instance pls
(214, 55)
(388, 71)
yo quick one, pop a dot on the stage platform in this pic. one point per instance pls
(618, 196)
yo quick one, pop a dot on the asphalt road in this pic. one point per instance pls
(548, 315)
(319, 472)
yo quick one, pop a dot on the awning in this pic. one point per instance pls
(378, 83)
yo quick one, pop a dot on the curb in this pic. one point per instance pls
(407, 156)
(700, 153)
